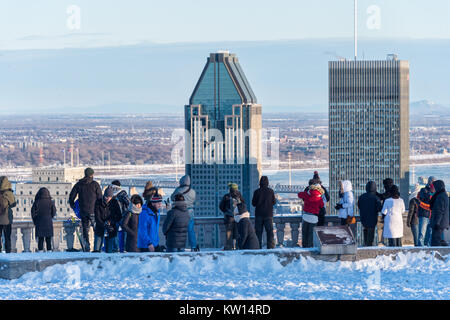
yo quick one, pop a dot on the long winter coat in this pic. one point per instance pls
(175, 226)
(88, 192)
(393, 210)
(43, 211)
(413, 212)
(130, 225)
(263, 199)
(185, 189)
(109, 213)
(247, 239)
(8, 201)
(369, 206)
(347, 201)
(439, 207)
(148, 228)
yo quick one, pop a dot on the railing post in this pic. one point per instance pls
(222, 236)
(26, 238)
(280, 232)
(13, 238)
(294, 233)
(57, 230)
(69, 234)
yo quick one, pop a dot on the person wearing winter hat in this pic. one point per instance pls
(439, 205)
(149, 191)
(263, 200)
(247, 239)
(325, 198)
(369, 206)
(123, 200)
(7, 202)
(229, 206)
(88, 192)
(42, 212)
(130, 223)
(312, 203)
(107, 215)
(412, 221)
(148, 227)
(189, 195)
(424, 196)
(175, 227)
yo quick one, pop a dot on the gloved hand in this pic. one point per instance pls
(338, 206)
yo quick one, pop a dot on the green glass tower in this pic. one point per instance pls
(223, 122)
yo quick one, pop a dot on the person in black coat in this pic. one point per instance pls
(175, 226)
(42, 212)
(131, 223)
(263, 200)
(107, 216)
(369, 206)
(88, 192)
(247, 239)
(439, 205)
(229, 205)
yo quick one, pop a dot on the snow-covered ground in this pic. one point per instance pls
(237, 276)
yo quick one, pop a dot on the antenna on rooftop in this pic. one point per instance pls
(356, 27)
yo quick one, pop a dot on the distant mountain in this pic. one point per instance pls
(286, 76)
(427, 107)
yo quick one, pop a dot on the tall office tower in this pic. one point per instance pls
(224, 124)
(368, 124)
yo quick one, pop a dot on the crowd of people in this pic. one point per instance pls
(131, 224)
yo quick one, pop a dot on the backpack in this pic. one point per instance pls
(3, 209)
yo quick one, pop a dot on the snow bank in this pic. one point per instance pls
(237, 276)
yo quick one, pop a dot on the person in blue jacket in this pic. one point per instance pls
(148, 227)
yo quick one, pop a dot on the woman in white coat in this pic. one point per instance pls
(346, 201)
(393, 210)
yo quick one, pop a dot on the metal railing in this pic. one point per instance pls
(287, 232)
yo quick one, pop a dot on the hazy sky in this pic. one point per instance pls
(28, 24)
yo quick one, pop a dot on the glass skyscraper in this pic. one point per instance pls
(224, 124)
(368, 124)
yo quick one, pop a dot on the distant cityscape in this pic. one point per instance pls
(146, 139)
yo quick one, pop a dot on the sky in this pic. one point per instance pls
(58, 55)
(43, 24)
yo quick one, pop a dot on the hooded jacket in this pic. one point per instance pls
(424, 196)
(148, 227)
(346, 200)
(369, 206)
(7, 201)
(175, 226)
(312, 199)
(247, 239)
(130, 225)
(185, 189)
(439, 207)
(264, 199)
(88, 192)
(107, 214)
(43, 211)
